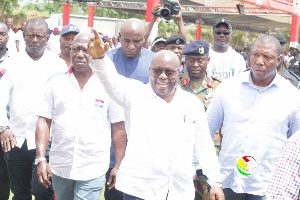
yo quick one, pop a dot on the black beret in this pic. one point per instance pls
(196, 48)
(176, 39)
(280, 38)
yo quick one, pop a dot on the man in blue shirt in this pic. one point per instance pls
(257, 111)
(132, 61)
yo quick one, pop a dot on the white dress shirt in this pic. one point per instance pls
(22, 87)
(81, 126)
(254, 123)
(11, 43)
(162, 139)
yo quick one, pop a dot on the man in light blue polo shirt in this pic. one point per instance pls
(256, 111)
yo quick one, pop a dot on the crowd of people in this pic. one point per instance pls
(178, 120)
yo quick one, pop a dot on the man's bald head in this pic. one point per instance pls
(4, 26)
(83, 37)
(132, 37)
(167, 56)
(133, 25)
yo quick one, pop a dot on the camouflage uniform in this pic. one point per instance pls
(204, 90)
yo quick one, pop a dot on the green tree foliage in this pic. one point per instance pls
(114, 13)
(7, 8)
(47, 7)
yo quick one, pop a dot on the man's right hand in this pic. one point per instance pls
(44, 174)
(97, 48)
(8, 140)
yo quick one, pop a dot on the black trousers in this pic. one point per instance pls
(23, 181)
(4, 178)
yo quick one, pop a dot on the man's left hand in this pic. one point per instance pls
(112, 178)
(216, 193)
(178, 17)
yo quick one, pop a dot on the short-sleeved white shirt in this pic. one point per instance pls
(162, 139)
(81, 126)
(21, 87)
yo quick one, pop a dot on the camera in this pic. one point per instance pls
(169, 8)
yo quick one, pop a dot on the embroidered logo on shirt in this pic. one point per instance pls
(2, 72)
(99, 103)
(244, 165)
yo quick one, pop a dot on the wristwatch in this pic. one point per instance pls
(38, 160)
(3, 128)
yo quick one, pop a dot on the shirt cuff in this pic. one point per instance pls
(216, 184)
(97, 64)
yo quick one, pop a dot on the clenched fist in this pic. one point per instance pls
(97, 48)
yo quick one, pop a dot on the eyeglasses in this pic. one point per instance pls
(222, 32)
(38, 37)
(77, 49)
(168, 72)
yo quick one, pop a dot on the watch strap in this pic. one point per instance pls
(3, 128)
(39, 159)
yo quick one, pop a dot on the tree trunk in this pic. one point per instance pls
(2, 9)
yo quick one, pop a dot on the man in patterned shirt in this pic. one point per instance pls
(285, 183)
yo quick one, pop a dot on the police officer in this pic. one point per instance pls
(176, 43)
(196, 81)
(281, 69)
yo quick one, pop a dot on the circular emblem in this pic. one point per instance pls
(201, 50)
(245, 164)
(178, 41)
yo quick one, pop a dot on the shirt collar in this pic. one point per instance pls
(6, 55)
(248, 79)
(70, 71)
(2, 72)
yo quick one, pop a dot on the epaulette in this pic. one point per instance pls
(295, 75)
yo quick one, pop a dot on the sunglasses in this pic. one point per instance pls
(222, 32)
(168, 72)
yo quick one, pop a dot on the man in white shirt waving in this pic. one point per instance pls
(166, 127)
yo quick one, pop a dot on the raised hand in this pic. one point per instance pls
(97, 48)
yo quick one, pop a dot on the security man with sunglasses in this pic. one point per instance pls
(225, 62)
